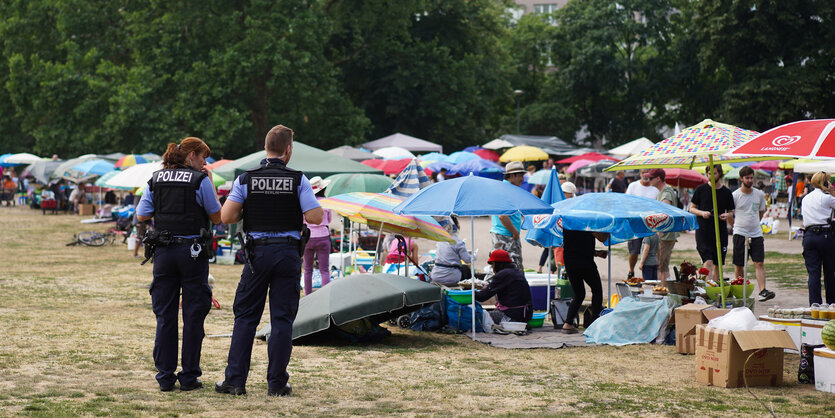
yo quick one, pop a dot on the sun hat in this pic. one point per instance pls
(515, 167)
(499, 256)
(569, 187)
(318, 184)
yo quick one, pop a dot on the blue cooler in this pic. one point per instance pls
(539, 284)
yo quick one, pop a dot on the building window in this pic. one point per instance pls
(545, 8)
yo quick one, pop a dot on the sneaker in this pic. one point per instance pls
(766, 295)
(223, 387)
(285, 391)
(630, 275)
(167, 388)
(196, 385)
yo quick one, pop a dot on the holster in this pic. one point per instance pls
(151, 240)
(205, 241)
(246, 245)
(304, 235)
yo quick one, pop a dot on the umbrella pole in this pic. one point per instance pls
(377, 248)
(472, 266)
(341, 243)
(609, 278)
(548, 288)
(716, 231)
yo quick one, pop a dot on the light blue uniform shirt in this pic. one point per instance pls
(496, 226)
(307, 201)
(205, 198)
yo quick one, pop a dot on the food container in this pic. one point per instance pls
(514, 326)
(464, 297)
(714, 292)
(537, 320)
(737, 289)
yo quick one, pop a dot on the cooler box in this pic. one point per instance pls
(539, 284)
(811, 330)
(792, 326)
(824, 370)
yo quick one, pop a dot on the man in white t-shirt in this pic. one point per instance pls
(645, 189)
(750, 207)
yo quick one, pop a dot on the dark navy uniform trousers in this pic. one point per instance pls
(819, 250)
(175, 269)
(277, 271)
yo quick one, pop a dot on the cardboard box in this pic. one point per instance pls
(811, 330)
(687, 317)
(86, 209)
(824, 370)
(792, 326)
(721, 356)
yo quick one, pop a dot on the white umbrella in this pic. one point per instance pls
(134, 176)
(813, 167)
(498, 144)
(394, 153)
(631, 148)
(22, 158)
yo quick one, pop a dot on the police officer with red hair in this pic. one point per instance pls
(181, 200)
(272, 200)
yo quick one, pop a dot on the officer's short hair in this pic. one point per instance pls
(278, 139)
(745, 171)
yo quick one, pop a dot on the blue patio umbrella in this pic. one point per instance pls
(438, 165)
(3, 160)
(622, 216)
(540, 177)
(465, 196)
(472, 148)
(94, 167)
(434, 156)
(461, 156)
(478, 167)
(552, 194)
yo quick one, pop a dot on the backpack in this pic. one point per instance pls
(460, 316)
(678, 202)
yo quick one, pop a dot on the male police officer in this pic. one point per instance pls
(271, 199)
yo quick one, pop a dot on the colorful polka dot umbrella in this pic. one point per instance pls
(129, 160)
(703, 144)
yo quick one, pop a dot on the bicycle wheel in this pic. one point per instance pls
(93, 239)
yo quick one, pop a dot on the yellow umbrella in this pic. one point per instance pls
(703, 144)
(789, 165)
(524, 153)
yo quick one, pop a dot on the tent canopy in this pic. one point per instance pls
(550, 144)
(404, 141)
(312, 161)
(631, 148)
(351, 153)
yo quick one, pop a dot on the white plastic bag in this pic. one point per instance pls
(738, 319)
(486, 321)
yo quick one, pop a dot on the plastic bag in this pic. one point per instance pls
(738, 319)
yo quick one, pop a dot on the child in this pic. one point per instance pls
(649, 258)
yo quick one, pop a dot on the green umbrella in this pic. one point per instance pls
(312, 161)
(378, 297)
(758, 174)
(357, 182)
(218, 180)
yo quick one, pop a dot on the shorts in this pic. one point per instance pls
(634, 246)
(665, 250)
(708, 252)
(756, 251)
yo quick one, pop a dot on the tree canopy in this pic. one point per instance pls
(104, 76)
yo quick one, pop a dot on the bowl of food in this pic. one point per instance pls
(715, 292)
(737, 290)
(537, 320)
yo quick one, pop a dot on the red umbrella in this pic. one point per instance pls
(487, 154)
(801, 139)
(771, 165)
(593, 156)
(388, 166)
(682, 177)
(218, 163)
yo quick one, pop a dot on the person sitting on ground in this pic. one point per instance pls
(512, 292)
(448, 258)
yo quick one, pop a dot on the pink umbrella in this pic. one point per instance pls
(593, 156)
(682, 177)
(577, 164)
(487, 154)
(767, 165)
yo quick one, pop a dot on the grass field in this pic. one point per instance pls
(77, 334)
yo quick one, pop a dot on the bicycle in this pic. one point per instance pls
(94, 239)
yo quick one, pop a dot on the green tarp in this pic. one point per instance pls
(311, 161)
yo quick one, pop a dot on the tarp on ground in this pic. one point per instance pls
(404, 141)
(550, 144)
(310, 160)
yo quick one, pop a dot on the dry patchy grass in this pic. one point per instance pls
(77, 335)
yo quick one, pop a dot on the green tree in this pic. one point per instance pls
(758, 63)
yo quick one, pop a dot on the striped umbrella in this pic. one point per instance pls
(374, 209)
(409, 181)
(130, 159)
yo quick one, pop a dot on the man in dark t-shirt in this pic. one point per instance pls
(701, 205)
(617, 185)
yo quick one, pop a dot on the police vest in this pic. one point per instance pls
(175, 201)
(272, 199)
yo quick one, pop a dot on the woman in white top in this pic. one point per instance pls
(448, 257)
(819, 238)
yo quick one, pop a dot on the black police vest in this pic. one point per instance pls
(272, 199)
(175, 201)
